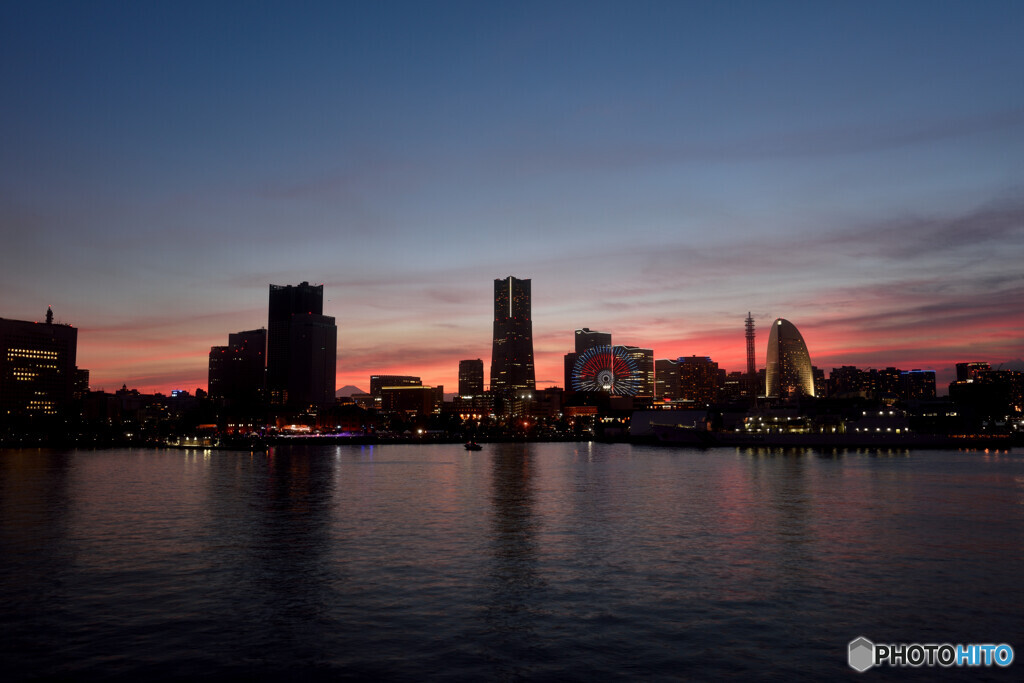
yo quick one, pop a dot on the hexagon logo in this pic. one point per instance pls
(862, 654)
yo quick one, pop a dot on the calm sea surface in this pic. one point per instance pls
(520, 562)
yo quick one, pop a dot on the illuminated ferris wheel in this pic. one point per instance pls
(606, 368)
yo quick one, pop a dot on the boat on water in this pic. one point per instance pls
(473, 446)
(684, 435)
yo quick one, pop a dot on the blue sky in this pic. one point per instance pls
(657, 169)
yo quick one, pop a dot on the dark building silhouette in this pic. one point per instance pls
(81, 384)
(301, 346)
(848, 381)
(788, 369)
(378, 382)
(588, 339)
(313, 366)
(917, 385)
(412, 400)
(237, 372)
(568, 363)
(989, 398)
(37, 368)
(471, 377)
(972, 370)
(512, 373)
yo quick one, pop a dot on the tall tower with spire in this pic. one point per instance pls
(751, 369)
(512, 374)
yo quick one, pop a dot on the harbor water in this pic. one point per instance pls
(523, 561)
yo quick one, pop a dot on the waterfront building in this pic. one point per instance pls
(666, 379)
(820, 383)
(644, 359)
(788, 368)
(237, 371)
(698, 379)
(847, 381)
(735, 385)
(991, 396)
(301, 346)
(917, 385)
(37, 368)
(884, 383)
(471, 377)
(512, 372)
(312, 377)
(412, 400)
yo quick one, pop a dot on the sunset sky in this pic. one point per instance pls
(658, 169)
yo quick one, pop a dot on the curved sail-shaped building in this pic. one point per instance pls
(788, 370)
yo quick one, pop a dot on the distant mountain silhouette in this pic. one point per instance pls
(348, 390)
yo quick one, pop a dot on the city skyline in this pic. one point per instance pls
(656, 172)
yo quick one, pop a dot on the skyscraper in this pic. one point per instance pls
(471, 377)
(512, 373)
(301, 346)
(788, 369)
(313, 345)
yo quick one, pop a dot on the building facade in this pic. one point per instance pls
(471, 377)
(412, 400)
(301, 346)
(588, 339)
(644, 359)
(666, 379)
(238, 371)
(788, 371)
(378, 382)
(37, 368)
(312, 376)
(698, 379)
(917, 385)
(512, 372)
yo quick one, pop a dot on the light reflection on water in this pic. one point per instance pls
(577, 560)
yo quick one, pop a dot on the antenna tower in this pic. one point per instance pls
(751, 371)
